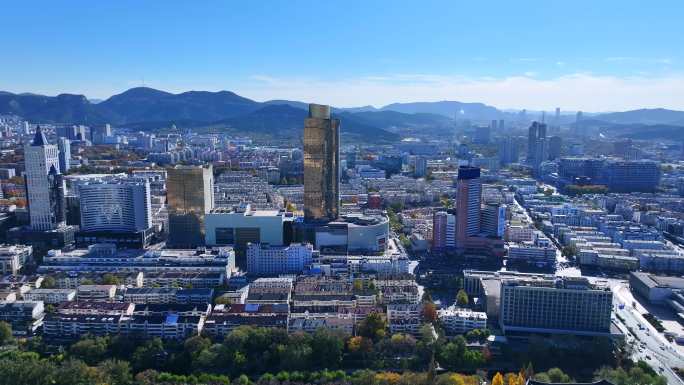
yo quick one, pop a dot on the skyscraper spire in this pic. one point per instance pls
(39, 139)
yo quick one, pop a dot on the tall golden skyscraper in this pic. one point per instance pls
(321, 165)
(190, 195)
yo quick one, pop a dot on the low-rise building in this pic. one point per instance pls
(459, 321)
(170, 326)
(343, 323)
(396, 291)
(263, 259)
(225, 318)
(14, 257)
(51, 296)
(188, 280)
(96, 308)
(25, 317)
(74, 326)
(405, 318)
(96, 292)
(150, 295)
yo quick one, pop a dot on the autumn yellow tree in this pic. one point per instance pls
(498, 379)
(450, 379)
(387, 378)
(512, 379)
(521, 378)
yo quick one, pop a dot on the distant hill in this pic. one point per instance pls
(291, 103)
(451, 109)
(145, 104)
(644, 116)
(648, 131)
(385, 119)
(148, 109)
(290, 120)
(60, 108)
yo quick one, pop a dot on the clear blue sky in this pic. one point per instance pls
(534, 54)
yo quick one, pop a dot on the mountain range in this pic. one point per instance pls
(148, 108)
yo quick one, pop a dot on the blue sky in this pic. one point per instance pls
(590, 55)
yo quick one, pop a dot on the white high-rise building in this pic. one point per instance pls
(116, 205)
(269, 260)
(44, 183)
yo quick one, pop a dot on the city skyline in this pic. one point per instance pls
(512, 214)
(379, 53)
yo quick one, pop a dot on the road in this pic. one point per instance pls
(649, 345)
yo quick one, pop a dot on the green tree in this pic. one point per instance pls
(243, 380)
(373, 326)
(327, 348)
(75, 372)
(150, 355)
(116, 372)
(111, 279)
(451, 354)
(5, 333)
(462, 298)
(553, 375)
(90, 349)
(48, 282)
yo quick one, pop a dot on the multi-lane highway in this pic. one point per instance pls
(648, 345)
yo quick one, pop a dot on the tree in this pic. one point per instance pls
(641, 374)
(90, 349)
(553, 375)
(243, 380)
(48, 282)
(450, 379)
(429, 312)
(556, 375)
(110, 279)
(327, 348)
(451, 355)
(512, 379)
(387, 378)
(498, 379)
(462, 298)
(569, 251)
(116, 372)
(358, 286)
(5, 333)
(75, 372)
(150, 355)
(359, 344)
(373, 326)
(521, 378)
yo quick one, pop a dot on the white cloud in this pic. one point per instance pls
(579, 91)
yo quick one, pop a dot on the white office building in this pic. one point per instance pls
(240, 225)
(122, 205)
(263, 259)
